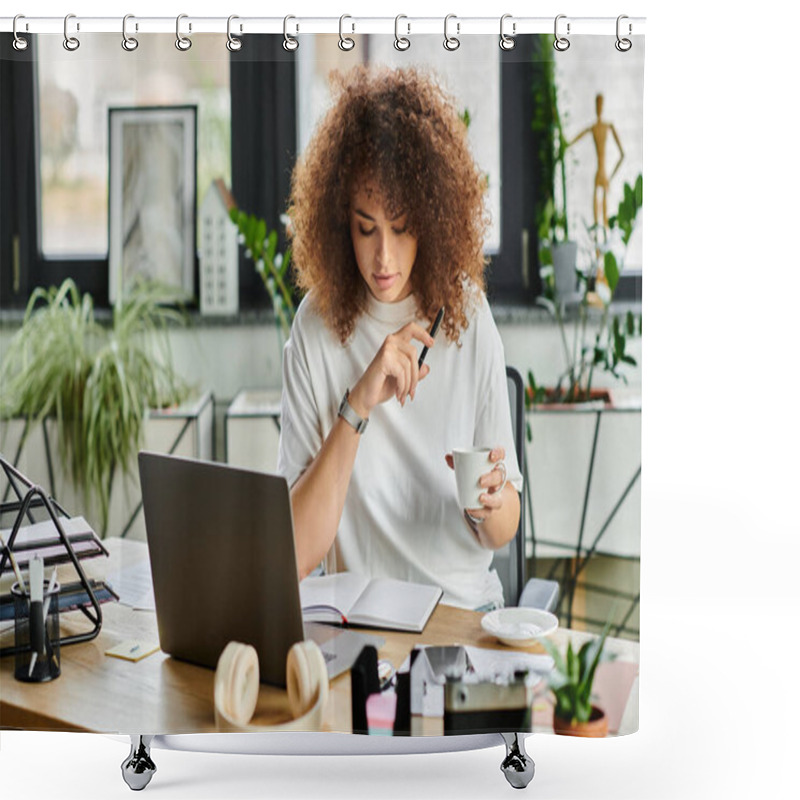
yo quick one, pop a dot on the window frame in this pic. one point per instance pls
(264, 145)
(19, 187)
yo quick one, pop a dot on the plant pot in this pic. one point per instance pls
(565, 258)
(595, 728)
(597, 397)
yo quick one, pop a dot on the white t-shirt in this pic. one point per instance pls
(401, 516)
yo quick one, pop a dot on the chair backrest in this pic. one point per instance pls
(509, 560)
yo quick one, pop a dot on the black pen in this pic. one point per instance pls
(432, 332)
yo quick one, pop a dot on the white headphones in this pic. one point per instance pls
(236, 686)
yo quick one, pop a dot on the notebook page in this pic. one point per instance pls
(339, 591)
(391, 601)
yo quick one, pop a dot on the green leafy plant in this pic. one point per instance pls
(623, 221)
(96, 381)
(572, 677)
(262, 247)
(607, 349)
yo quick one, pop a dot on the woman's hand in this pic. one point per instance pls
(393, 371)
(492, 481)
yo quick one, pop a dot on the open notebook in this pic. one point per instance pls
(353, 599)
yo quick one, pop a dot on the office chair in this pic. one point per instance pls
(509, 560)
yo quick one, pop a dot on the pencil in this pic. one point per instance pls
(15, 567)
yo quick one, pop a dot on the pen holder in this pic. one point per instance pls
(36, 636)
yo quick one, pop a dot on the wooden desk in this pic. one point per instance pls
(160, 694)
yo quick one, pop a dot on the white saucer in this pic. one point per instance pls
(519, 627)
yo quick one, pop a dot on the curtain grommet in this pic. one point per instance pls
(401, 43)
(71, 43)
(561, 43)
(507, 42)
(623, 44)
(346, 43)
(234, 43)
(129, 43)
(451, 43)
(183, 43)
(19, 43)
(290, 44)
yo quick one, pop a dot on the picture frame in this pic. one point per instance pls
(152, 198)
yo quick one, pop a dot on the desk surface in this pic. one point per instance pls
(160, 694)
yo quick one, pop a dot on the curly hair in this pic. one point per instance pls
(398, 128)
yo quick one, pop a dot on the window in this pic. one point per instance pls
(57, 140)
(72, 112)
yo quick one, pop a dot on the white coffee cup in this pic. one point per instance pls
(471, 463)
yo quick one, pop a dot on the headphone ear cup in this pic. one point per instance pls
(306, 677)
(236, 682)
(236, 687)
(222, 677)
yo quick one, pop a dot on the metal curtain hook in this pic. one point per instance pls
(623, 45)
(345, 42)
(401, 42)
(561, 43)
(289, 42)
(183, 43)
(129, 43)
(234, 43)
(71, 43)
(507, 42)
(20, 42)
(451, 43)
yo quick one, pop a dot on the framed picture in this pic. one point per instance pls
(152, 179)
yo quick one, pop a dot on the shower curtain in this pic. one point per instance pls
(200, 207)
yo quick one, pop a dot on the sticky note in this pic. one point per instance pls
(133, 649)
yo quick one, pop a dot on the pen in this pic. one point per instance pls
(15, 567)
(45, 609)
(432, 332)
(36, 619)
(50, 587)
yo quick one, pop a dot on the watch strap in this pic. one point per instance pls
(350, 416)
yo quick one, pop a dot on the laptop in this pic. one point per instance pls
(223, 563)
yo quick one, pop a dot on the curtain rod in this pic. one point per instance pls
(407, 26)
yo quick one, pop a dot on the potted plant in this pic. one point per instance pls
(570, 682)
(597, 344)
(96, 381)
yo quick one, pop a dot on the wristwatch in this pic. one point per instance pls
(349, 415)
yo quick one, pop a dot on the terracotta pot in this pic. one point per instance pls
(596, 727)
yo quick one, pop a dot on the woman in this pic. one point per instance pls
(388, 221)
